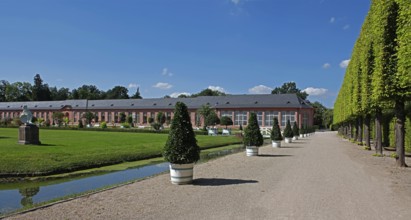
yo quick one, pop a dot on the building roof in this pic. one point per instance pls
(219, 102)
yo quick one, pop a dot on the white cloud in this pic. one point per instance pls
(177, 94)
(217, 88)
(236, 2)
(346, 27)
(344, 63)
(162, 85)
(260, 89)
(332, 20)
(326, 65)
(132, 85)
(315, 91)
(165, 72)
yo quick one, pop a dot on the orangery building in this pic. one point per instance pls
(267, 107)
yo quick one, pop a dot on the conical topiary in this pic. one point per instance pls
(276, 131)
(252, 134)
(302, 130)
(288, 132)
(296, 130)
(181, 146)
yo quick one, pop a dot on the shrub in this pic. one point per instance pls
(276, 131)
(181, 146)
(288, 132)
(156, 126)
(125, 125)
(252, 133)
(80, 124)
(103, 125)
(296, 131)
(303, 130)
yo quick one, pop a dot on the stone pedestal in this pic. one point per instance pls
(29, 134)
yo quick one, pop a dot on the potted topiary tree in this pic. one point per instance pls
(275, 135)
(288, 132)
(181, 148)
(252, 136)
(296, 131)
(302, 132)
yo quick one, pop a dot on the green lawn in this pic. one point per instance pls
(65, 150)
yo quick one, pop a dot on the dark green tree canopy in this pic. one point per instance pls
(225, 120)
(296, 130)
(290, 87)
(181, 146)
(209, 92)
(137, 95)
(252, 133)
(276, 131)
(118, 92)
(288, 131)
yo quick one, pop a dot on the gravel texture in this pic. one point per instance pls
(319, 177)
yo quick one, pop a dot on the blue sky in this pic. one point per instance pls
(169, 47)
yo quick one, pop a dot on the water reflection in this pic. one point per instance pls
(27, 194)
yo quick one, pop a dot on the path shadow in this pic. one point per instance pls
(220, 182)
(272, 155)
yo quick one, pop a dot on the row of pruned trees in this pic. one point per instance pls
(377, 82)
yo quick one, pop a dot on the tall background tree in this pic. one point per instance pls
(290, 87)
(41, 92)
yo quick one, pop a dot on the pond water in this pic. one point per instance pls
(22, 194)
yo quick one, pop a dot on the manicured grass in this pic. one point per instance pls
(65, 151)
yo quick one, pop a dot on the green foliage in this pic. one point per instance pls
(290, 87)
(89, 116)
(161, 118)
(181, 146)
(288, 132)
(303, 130)
(156, 126)
(225, 120)
(204, 111)
(296, 130)
(150, 120)
(122, 117)
(80, 124)
(252, 133)
(58, 117)
(276, 131)
(125, 125)
(212, 119)
(103, 125)
(208, 92)
(130, 119)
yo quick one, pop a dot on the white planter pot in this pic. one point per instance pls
(181, 173)
(252, 151)
(288, 140)
(301, 135)
(295, 138)
(276, 144)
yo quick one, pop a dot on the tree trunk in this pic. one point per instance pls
(359, 129)
(367, 122)
(386, 131)
(400, 133)
(378, 132)
(356, 130)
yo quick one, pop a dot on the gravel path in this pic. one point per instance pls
(320, 177)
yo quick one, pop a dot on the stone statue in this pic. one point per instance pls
(26, 116)
(29, 132)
